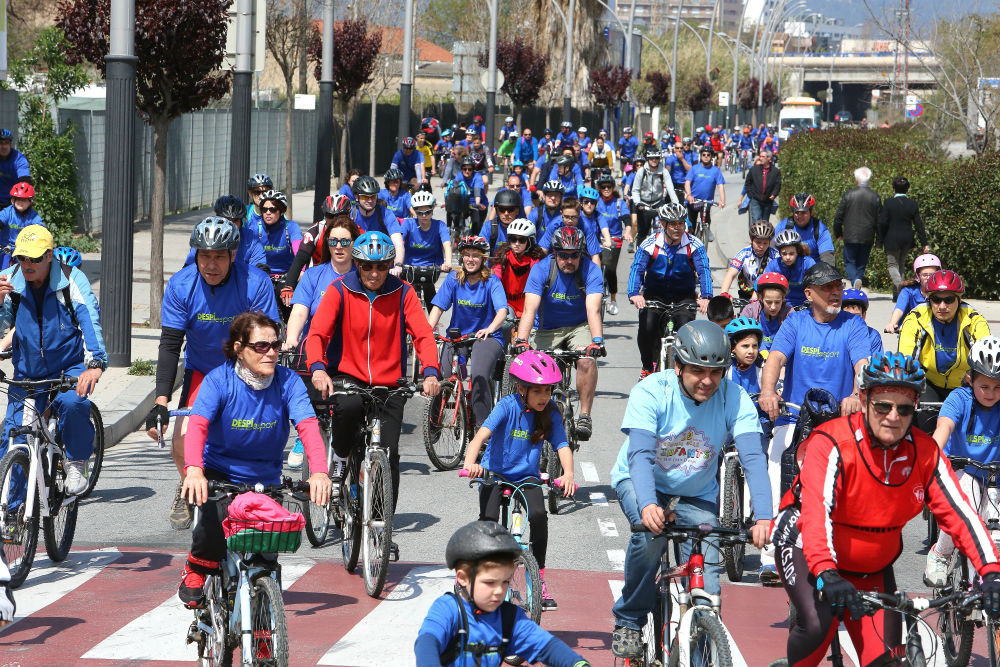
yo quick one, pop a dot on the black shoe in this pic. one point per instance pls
(584, 427)
(393, 552)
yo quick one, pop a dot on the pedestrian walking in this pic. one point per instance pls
(899, 218)
(855, 223)
(763, 184)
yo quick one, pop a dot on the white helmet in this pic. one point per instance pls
(521, 227)
(508, 119)
(422, 199)
(984, 357)
(787, 237)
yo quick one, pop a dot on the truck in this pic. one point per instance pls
(797, 114)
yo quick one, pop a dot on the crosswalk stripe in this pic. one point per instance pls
(589, 471)
(160, 634)
(48, 582)
(598, 498)
(617, 558)
(607, 527)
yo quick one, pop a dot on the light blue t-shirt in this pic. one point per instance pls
(981, 442)
(510, 452)
(562, 304)
(472, 307)
(312, 287)
(424, 248)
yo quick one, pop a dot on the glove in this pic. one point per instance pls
(287, 291)
(991, 594)
(158, 411)
(519, 345)
(596, 350)
(840, 593)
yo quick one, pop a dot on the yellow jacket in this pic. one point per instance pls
(916, 338)
(428, 152)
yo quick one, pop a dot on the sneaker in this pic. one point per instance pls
(936, 570)
(180, 512)
(548, 602)
(612, 308)
(192, 589)
(75, 483)
(631, 247)
(857, 284)
(769, 575)
(626, 642)
(394, 552)
(296, 455)
(584, 427)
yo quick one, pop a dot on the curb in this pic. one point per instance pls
(128, 410)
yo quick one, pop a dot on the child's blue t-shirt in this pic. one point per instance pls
(424, 248)
(794, 274)
(473, 307)
(510, 452)
(978, 440)
(909, 298)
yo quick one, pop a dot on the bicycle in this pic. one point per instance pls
(567, 400)
(702, 226)
(925, 418)
(419, 277)
(668, 315)
(448, 424)
(243, 607)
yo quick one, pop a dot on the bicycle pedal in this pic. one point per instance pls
(394, 553)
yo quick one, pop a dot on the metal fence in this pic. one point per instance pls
(197, 157)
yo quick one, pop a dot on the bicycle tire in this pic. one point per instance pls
(553, 467)
(953, 626)
(350, 516)
(268, 626)
(96, 460)
(933, 530)
(732, 516)
(18, 560)
(914, 649)
(317, 518)
(526, 587)
(707, 635)
(60, 526)
(445, 427)
(653, 631)
(509, 383)
(376, 526)
(993, 642)
(217, 653)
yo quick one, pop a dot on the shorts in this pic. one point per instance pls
(566, 338)
(190, 387)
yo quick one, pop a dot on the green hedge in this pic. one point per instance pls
(958, 198)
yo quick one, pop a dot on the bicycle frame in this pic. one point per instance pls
(668, 312)
(36, 478)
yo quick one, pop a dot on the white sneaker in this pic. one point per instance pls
(612, 308)
(296, 455)
(936, 571)
(857, 284)
(76, 483)
(711, 235)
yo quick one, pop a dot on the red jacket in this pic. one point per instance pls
(853, 499)
(514, 279)
(367, 339)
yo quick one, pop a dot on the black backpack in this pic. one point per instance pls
(818, 406)
(459, 643)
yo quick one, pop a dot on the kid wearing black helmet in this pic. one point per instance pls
(395, 196)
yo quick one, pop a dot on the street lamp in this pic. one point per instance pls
(406, 75)
(491, 77)
(731, 111)
(673, 79)
(568, 24)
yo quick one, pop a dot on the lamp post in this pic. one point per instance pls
(491, 77)
(324, 115)
(628, 54)
(711, 31)
(239, 157)
(406, 75)
(568, 83)
(673, 79)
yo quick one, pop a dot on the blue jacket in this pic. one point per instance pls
(12, 170)
(671, 272)
(48, 345)
(526, 151)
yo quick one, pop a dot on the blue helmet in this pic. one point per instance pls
(67, 256)
(373, 247)
(855, 296)
(743, 325)
(589, 193)
(894, 370)
(5, 134)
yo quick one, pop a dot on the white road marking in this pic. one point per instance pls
(393, 624)
(608, 527)
(161, 633)
(617, 558)
(616, 588)
(48, 581)
(589, 471)
(846, 646)
(598, 498)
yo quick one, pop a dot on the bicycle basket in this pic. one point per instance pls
(253, 536)
(818, 406)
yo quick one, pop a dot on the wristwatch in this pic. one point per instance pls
(597, 339)
(97, 363)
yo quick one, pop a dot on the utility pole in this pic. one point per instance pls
(239, 153)
(491, 77)
(673, 79)
(406, 76)
(324, 117)
(628, 52)
(568, 93)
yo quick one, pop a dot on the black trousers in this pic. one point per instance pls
(207, 540)
(643, 222)
(650, 330)
(538, 520)
(611, 269)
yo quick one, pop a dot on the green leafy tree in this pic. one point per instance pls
(524, 71)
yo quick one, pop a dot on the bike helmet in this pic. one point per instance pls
(743, 325)
(699, 130)
(802, 202)
(5, 134)
(786, 238)
(946, 281)
(215, 233)
(564, 161)
(924, 261)
(708, 128)
(422, 199)
(589, 193)
(984, 357)
(854, 297)
(605, 179)
(336, 205)
(508, 119)
(277, 197)
(467, 162)
(702, 343)
(366, 185)
(259, 181)
(22, 190)
(653, 155)
(521, 227)
(553, 186)
(566, 124)
(772, 279)
(474, 243)
(649, 135)
(469, 132)
(477, 119)
(627, 129)
(228, 206)
(507, 199)
(445, 133)
(582, 129)
(409, 142)
(568, 238)
(67, 256)
(478, 540)
(891, 369)
(392, 175)
(686, 140)
(373, 247)
(516, 163)
(671, 211)
(762, 229)
(535, 368)
(821, 273)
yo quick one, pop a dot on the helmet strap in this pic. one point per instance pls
(684, 390)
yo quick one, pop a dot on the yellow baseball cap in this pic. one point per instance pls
(33, 241)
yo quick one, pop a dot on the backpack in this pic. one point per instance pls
(15, 298)
(656, 251)
(459, 641)
(818, 406)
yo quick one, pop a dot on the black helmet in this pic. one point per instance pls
(228, 206)
(478, 540)
(215, 233)
(821, 273)
(507, 199)
(568, 238)
(564, 161)
(467, 162)
(366, 185)
(605, 179)
(259, 181)
(392, 175)
(702, 343)
(553, 186)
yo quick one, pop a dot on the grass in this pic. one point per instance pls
(142, 367)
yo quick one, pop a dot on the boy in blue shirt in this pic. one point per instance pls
(856, 301)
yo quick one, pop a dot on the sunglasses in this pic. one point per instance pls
(30, 260)
(367, 197)
(517, 239)
(571, 217)
(263, 346)
(568, 255)
(344, 243)
(269, 209)
(373, 266)
(606, 186)
(506, 209)
(259, 192)
(950, 300)
(588, 201)
(902, 409)
(466, 168)
(424, 211)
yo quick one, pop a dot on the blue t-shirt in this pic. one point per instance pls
(311, 288)
(704, 181)
(589, 235)
(541, 219)
(444, 619)
(248, 428)
(486, 231)
(510, 452)
(627, 146)
(250, 252)
(875, 338)
(821, 355)
(748, 378)
(796, 290)
(11, 169)
(817, 246)
(278, 240)
(945, 343)
(407, 165)
(346, 190)
(562, 304)
(475, 306)
(676, 169)
(381, 220)
(909, 298)
(398, 203)
(204, 313)
(424, 248)
(978, 439)
(12, 222)
(609, 214)
(770, 327)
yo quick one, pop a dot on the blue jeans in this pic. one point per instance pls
(759, 210)
(642, 560)
(856, 260)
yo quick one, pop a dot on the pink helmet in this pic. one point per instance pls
(926, 260)
(535, 368)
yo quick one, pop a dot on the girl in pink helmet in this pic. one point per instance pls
(913, 292)
(513, 434)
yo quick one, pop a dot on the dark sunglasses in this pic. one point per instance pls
(424, 211)
(373, 266)
(466, 168)
(568, 255)
(269, 209)
(588, 201)
(262, 346)
(571, 217)
(344, 243)
(902, 409)
(506, 209)
(30, 260)
(259, 192)
(517, 239)
(944, 299)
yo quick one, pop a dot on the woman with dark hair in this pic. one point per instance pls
(237, 433)
(349, 178)
(515, 258)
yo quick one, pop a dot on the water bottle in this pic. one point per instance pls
(517, 522)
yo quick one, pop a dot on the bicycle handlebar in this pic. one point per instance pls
(899, 601)
(490, 480)
(462, 341)
(344, 387)
(61, 383)
(569, 356)
(672, 308)
(698, 532)
(295, 488)
(959, 462)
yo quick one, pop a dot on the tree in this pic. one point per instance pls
(609, 84)
(287, 40)
(701, 97)
(524, 71)
(747, 93)
(180, 45)
(352, 68)
(445, 22)
(770, 94)
(659, 88)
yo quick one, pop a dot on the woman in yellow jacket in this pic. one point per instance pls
(940, 332)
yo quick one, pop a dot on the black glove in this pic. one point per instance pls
(158, 412)
(596, 350)
(519, 345)
(991, 594)
(840, 593)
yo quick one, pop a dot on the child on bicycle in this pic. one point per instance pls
(516, 429)
(793, 264)
(969, 425)
(745, 335)
(769, 308)
(720, 310)
(474, 625)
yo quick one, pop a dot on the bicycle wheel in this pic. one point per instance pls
(317, 516)
(526, 587)
(953, 625)
(732, 516)
(653, 633)
(215, 650)
(703, 231)
(350, 515)
(60, 526)
(20, 535)
(707, 643)
(445, 427)
(376, 523)
(914, 648)
(553, 467)
(268, 628)
(96, 460)
(993, 641)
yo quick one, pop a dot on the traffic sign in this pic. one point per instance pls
(723, 99)
(915, 111)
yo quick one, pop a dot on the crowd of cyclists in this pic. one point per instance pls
(272, 315)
